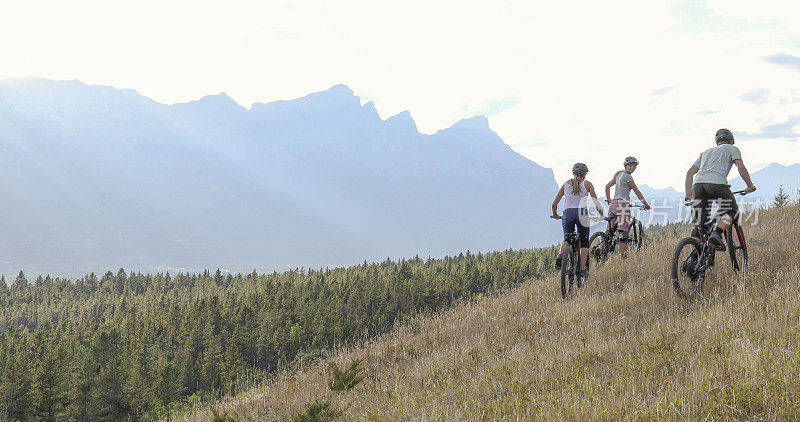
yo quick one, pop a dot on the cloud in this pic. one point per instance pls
(661, 91)
(696, 16)
(536, 140)
(756, 96)
(785, 60)
(286, 35)
(691, 13)
(676, 128)
(492, 106)
(751, 136)
(707, 112)
(777, 130)
(789, 124)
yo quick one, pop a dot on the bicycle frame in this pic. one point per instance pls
(739, 235)
(611, 232)
(575, 244)
(707, 254)
(573, 241)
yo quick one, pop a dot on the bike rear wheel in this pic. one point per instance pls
(598, 247)
(737, 248)
(568, 272)
(686, 280)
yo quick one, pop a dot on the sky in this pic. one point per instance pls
(559, 81)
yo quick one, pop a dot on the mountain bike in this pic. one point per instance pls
(603, 244)
(693, 258)
(570, 265)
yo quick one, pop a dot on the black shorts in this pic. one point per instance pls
(705, 194)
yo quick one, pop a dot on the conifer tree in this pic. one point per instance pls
(111, 395)
(20, 283)
(16, 383)
(4, 293)
(781, 198)
(49, 381)
(83, 388)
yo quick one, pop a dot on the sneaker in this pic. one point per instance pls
(715, 240)
(558, 262)
(583, 273)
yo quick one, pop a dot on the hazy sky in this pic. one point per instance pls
(560, 81)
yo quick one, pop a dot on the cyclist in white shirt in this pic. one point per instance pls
(710, 172)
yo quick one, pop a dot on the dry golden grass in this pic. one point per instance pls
(625, 347)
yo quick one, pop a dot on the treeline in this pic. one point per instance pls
(134, 345)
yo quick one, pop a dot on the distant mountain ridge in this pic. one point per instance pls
(769, 179)
(96, 178)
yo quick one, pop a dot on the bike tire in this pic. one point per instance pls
(568, 265)
(638, 234)
(686, 284)
(598, 249)
(737, 249)
(578, 279)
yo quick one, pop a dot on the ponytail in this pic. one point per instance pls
(576, 185)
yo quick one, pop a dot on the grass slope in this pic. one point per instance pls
(624, 347)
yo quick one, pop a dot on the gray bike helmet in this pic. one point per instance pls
(724, 135)
(631, 160)
(580, 169)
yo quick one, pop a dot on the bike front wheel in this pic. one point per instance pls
(737, 248)
(636, 235)
(686, 278)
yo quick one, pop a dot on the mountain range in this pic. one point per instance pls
(96, 178)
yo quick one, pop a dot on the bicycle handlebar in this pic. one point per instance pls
(742, 192)
(593, 219)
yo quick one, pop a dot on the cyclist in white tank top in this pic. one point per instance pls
(573, 200)
(574, 209)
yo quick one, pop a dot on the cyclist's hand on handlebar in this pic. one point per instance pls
(556, 216)
(646, 206)
(608, 201)
(749, 189)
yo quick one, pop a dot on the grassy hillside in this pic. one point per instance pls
(624, 347)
